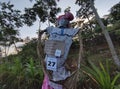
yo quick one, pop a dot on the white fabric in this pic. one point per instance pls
(55, 86)
(61, 34)
(61, 74)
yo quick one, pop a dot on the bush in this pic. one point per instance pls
(16, 75)
(101, 75)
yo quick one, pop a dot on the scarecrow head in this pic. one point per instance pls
(64, 20)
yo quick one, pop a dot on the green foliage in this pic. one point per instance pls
(9, 17)
(29, 51)
(44, 9)
(117, 87)
(23, 69)
(115, 12)
(17, 67)
(16, 75)
(101, 75)
(85, 82)
(114, 30)
(10, 20)
(116, 26)
(33, 73)
(85, 10)
(12, 75)
(31, 69)
(80, 2)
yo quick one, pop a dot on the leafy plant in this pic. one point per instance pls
(28, 52)
(11, 74)
(16, 75)
(117, 87)
(101, 75)
(33, 75)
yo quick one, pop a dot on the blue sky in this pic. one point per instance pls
(102, 6)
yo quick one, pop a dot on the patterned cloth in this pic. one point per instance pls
(66, 35)
(55, 85)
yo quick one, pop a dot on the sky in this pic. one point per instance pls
(102, 6)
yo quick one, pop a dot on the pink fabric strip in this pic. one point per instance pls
(45, 84)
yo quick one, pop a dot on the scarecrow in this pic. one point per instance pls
(56, 50)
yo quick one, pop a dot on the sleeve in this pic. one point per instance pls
(75, 31)
(71, 31)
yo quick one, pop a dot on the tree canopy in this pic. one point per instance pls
(115, 12)
(43, 9)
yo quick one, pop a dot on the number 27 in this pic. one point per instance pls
(51, 63)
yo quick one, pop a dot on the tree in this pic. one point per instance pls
(115, 12)
(43, 9)
(105, 32)
(8, 37)
(10, 20)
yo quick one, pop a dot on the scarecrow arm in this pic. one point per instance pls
(78, 30)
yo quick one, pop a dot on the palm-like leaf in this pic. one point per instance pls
(101, 75)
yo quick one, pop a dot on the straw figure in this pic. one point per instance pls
(59, 72)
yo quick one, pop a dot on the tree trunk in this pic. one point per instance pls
(107, 36)
(15, 47)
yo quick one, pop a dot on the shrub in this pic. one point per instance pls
(101, 75)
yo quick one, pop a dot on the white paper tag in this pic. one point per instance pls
(52, 64)
(58, 53)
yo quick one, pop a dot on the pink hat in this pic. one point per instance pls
(61, 17)
(63, 20)
(68, 16)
